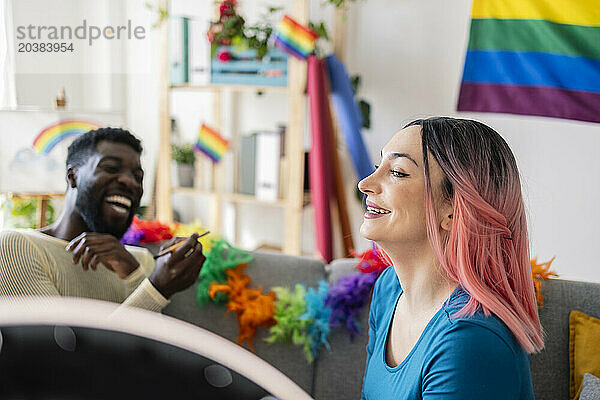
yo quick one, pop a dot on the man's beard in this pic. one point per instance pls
(90, 205)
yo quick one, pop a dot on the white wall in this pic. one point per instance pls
(411, 53)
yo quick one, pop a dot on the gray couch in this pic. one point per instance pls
(338, 375)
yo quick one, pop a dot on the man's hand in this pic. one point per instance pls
(95, 248)
(178, 270)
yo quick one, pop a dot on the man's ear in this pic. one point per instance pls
(72, 176)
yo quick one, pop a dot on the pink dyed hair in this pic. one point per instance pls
(487, 249)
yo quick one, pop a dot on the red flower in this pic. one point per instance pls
(227, 8)
(224, 56)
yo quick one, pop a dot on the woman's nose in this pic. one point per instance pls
(368, 184)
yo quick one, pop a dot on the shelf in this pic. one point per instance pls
(235, 88)
(32, 195)
(293, 95)
(31, 109)
(233, 197)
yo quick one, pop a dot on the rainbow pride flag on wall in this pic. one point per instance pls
(295, 39)
(534, 57)
(211, 143)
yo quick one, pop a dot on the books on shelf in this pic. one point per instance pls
(247, 164)
(268, 154)
(189, 51)
(178, 50)
(199, 53)
(262, 165)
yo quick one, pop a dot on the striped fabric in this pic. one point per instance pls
(35, 264)
(211, 143)
(295, 39)
(534, 57)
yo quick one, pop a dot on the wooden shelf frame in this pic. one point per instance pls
(42, 199)
(232, 197)
(293, 203)
(235, 88)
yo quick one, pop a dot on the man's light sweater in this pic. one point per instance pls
(35, 264)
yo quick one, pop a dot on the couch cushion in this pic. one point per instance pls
(266, 270)
(584, 348)
(550, 367)
(340, 267)
(591, 388)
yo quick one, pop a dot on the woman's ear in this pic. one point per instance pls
(447, 210)
(447, 223)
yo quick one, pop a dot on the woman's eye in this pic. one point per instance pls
(398, 174)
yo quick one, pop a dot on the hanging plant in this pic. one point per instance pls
(231, 30)
(341, 3)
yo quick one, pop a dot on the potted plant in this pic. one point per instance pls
(184, 156)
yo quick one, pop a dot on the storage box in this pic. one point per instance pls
(245, 69)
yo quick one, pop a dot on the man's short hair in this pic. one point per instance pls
(85, 145)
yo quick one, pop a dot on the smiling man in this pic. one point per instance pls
(80, 255)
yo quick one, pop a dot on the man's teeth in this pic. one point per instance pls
(377, 210)
(119, 200)
(120, 210)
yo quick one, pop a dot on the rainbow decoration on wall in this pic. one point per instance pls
(211, 143)
(295, 39)
(534, 57)
(54, 134)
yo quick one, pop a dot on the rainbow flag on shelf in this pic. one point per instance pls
(211, 143)
(534, 57)
(294, 38)
(54, 134)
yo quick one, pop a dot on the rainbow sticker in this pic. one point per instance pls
(52, 135)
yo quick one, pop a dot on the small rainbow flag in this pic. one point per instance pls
(211, 143)
(54, 134)
(294, 38)
(534, 57)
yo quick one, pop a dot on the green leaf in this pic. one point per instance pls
(214, 46)
(261, 51)
(355, 81)
(365, 110)
(183, 154)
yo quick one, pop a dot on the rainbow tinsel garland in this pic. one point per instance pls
(302, 316)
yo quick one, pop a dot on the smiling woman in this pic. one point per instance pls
(445, 206)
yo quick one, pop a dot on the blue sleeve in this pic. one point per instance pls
(472, 362)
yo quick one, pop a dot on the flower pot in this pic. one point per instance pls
(185, 175)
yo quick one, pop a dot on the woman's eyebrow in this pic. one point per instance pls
(391, 156)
